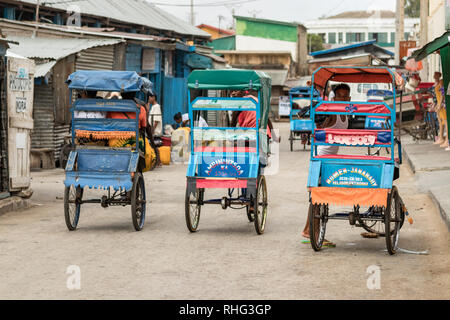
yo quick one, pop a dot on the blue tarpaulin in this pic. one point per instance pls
(120, 81)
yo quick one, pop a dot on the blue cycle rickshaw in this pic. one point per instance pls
(354, 178)
(226, 157)
(115, 170)
(300, 120)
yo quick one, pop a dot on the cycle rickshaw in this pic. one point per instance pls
(300, 120)
(116, 170)
(354, 178)
(224, 157)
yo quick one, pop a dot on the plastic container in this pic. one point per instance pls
(164, 155)
(166, 141)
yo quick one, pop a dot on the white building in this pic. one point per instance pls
(358, 26)
(436, 28)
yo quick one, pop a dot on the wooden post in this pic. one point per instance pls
(399, 28)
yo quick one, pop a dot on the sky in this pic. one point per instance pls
(283, 10)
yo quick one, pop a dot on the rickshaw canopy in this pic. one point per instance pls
(114, 81)
(356, 74)
(235, 79)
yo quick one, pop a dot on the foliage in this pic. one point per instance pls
(412, 8)
(315, 42)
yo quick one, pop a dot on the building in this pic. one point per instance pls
(268, 36)
(362, 54)
(16, 121)
(360, 26)
(113, 43)
(215, 32)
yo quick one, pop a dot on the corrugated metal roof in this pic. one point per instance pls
(54, 48)
(139, 12)
(43, 69)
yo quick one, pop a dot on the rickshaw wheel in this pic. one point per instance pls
(72, 206)
(392, 221)
(291, 139)
(193, 209)
(250, 214)
(260, 205)
(377, 226)
(318, 216)
(138, 202)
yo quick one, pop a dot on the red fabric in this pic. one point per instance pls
(332, 107)
(247, 119)
(226, 149)
(221, 184)
(131, 115)
(355, 74)
(352, 132)
(352, 157)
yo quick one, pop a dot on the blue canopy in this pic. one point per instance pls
(305, 91)
(120, 81)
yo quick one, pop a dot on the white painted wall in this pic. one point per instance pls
(436, 28)
(365, 26)
(246, 43)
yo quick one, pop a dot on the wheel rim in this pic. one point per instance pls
(394, 222)
(140, 203)
(261, 208)
(322, 209)
(72, 206)
(194, 210)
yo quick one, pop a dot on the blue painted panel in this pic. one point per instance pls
(104, 160)
(226, 166)
(302, 125)
(71, 161)
(314, 174)
(96, 180)
(126, 125)
(133, 60)
(196, 61)
(351, 175)
(388, 176)
(174, 98)
(106, 105)
(9, 13)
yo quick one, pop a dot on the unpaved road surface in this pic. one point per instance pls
(225, 259)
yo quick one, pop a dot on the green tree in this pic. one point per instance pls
(315, 43)
(412, 8)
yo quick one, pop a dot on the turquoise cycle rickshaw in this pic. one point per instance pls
(300, 120)
(225, 157)
(352, 177)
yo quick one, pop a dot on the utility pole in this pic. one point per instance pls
(423, 40)
(192, 13)
(399, 28)
(38, 5)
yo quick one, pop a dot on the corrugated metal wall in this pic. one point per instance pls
(42, 137)
(98, 58)
(175, 98)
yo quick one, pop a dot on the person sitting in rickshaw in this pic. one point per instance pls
(247, 119)
(342, 93)
(121, 141)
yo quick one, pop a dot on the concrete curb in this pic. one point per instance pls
(13, 204)
(444, 214)
(408, 159)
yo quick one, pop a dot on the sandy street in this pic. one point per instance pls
(225, 259)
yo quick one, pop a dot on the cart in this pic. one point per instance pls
(225, 157)
(117, 171)
(353, 178)
(300, 120)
